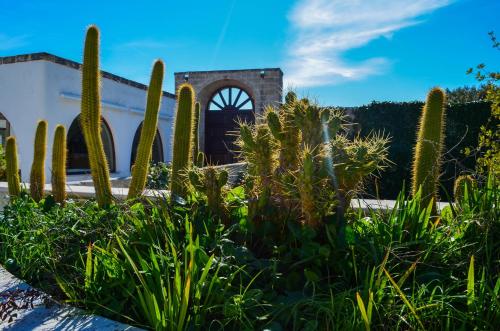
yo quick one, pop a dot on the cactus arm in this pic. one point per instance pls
(148, 132)
(273, 121)
(12, 168)
(90, 118)
(37, 175)
(182, 142)
(429, 146)
(59, 165)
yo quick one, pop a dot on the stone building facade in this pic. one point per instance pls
(263, 86)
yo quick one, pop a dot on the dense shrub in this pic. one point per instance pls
(400, 121)
(164, 267)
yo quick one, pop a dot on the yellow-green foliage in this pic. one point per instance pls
(196, 129)
(183, 140)
(318, 169)
(12, 168)
(90, 118)
(429, 146)
(37, 175)
(462, 183)
(59, 164)
(210, 182)
(148, 132)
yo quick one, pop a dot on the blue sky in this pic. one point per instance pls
(339, 52)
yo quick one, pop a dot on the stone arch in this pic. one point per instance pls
(78, 160)
(157, 148)
(264, 86)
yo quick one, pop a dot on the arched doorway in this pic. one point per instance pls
(78, 158)
(226, 107)
(157, 151)
(4, 129)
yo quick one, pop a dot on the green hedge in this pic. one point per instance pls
(399, 120)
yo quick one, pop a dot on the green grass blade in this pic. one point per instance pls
(405, 299)
(362, 309)
(470, 284)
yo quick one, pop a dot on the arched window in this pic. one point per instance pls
(227, 107)
(157, 152)
(78, 158)
(4, 129)
(230, 98)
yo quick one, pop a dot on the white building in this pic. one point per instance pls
(43, 86)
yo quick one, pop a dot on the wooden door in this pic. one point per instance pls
(225, 109)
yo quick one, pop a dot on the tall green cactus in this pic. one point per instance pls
(90, 118)
(59, 164)
(148, 132)
(183, 142)
(12, 167)
(429, 146)
(196, 130)
(37, 175)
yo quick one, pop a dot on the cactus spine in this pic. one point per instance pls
(12, 167)
(427, 157)
(37, 175)
(196, 129)
(148, 132)
(182, 145)
(59, 165)
(90, 118)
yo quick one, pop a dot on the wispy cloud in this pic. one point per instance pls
(323, 30)
(222, 34)
(11, 42)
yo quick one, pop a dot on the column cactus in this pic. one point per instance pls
(210, 182)
(196, 130)
(12, 167)
(90, 118)
(183, 140)
(148, 132)
(429, 146)
(461, 183)
(37, 175)
(59, 165)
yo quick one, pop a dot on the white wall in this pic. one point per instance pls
(35, 90)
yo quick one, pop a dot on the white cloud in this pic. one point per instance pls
(11, 42)
(324, 29)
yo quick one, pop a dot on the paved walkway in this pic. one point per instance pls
(26, 308)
